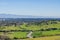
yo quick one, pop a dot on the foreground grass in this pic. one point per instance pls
(45, 38)
(13, 35)
(45, 33)
(17, 34)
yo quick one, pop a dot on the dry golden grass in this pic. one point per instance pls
(46, 38)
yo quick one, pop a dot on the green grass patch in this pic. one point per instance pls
(17, 34)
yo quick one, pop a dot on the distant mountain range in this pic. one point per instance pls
(22, 16)
(16, 16)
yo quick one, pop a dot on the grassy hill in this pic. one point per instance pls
(45, 30)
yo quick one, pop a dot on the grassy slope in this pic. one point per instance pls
(35, 27)
(31, 27)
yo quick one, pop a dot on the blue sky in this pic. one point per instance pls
(30, 7)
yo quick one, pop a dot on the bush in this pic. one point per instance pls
(52, 28)
(15, 38)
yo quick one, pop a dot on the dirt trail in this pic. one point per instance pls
(29, 35)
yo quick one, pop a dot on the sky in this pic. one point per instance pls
(31, 7)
